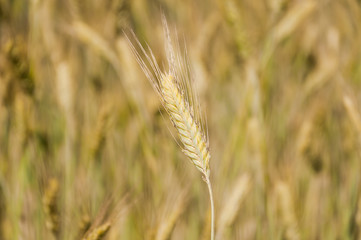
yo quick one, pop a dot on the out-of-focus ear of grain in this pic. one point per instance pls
(232, 204)
(286, 204)
(51, 207)
(98, 233)
(353, 113)
(168, 221)
(327, 62)
(295, 16)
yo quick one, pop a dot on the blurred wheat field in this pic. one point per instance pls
(86, 152)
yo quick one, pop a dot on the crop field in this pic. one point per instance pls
(182, 120)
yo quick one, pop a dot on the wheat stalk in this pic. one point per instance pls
(178, 99)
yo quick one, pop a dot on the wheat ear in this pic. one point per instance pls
(195, 146)
(177, 96)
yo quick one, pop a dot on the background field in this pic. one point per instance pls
(85, 147)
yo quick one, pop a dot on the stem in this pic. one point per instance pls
(212, 206)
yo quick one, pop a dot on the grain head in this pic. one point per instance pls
(174, 87)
